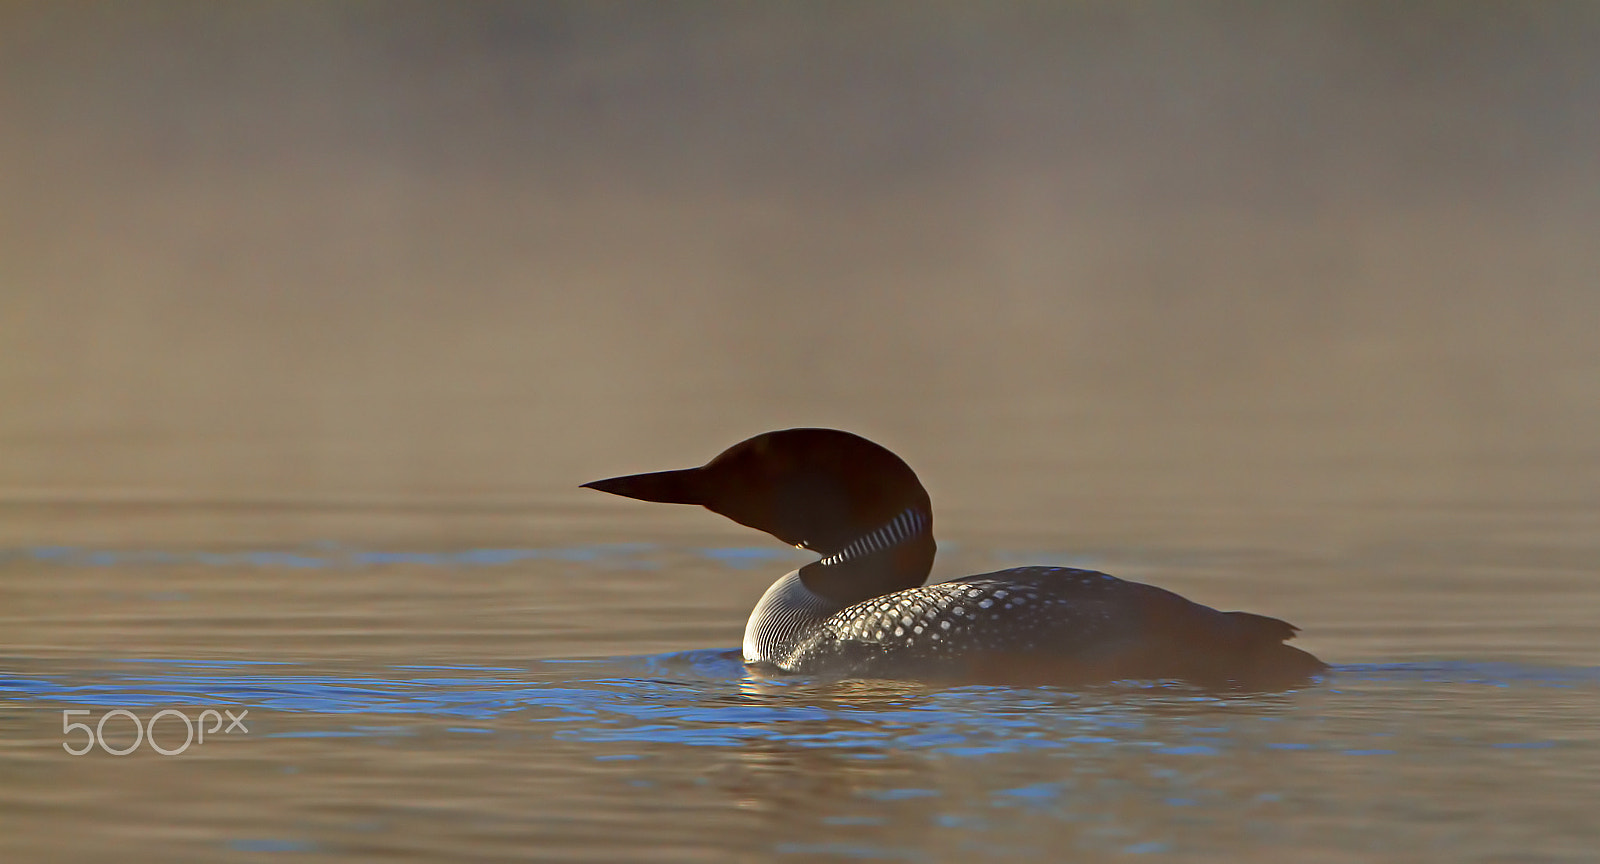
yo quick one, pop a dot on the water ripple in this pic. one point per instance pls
(336, 557)
(706, 699)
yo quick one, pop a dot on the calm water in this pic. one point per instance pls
(313, 317)
(520, 702)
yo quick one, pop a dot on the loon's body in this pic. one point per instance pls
(863, 610)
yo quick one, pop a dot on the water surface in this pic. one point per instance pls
(480, 703)
(313, 317)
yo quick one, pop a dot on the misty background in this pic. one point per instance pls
(1057, 256)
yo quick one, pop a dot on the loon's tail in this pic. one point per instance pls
(1259, 628)
(1267, 663)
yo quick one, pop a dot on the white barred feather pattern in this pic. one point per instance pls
(908, 524)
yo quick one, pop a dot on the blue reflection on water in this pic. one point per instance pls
(271, 844)
(706, 699)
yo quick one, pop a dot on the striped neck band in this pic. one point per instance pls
(910, 523)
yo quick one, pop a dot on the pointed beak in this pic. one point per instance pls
(666, 487)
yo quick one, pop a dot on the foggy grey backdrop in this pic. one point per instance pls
(404, 252)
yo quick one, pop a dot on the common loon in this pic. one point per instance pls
(862, 610)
